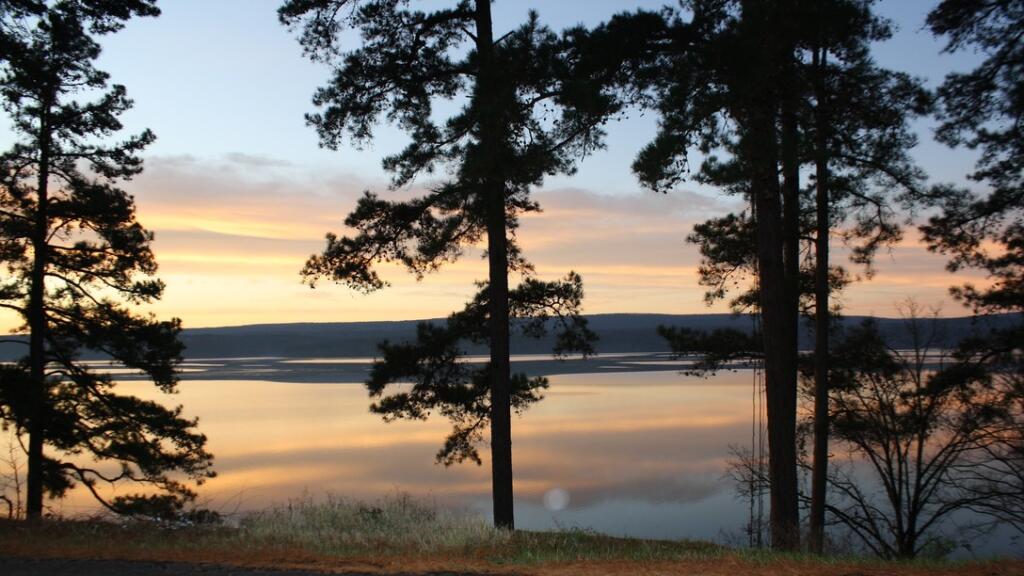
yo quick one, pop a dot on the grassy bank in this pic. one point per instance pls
(399, 534)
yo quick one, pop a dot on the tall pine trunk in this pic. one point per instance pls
(37, 327)
(785, 416)
(819, 474)
(497, 256)
(780, 368)
(790, 139)
(778, 316)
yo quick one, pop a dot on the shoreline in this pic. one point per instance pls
(355, 370)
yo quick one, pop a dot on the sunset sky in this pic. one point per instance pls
(239, 193)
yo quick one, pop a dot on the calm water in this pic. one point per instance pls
(628, 447)
(636, 453)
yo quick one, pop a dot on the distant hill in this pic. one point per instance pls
(618, 333)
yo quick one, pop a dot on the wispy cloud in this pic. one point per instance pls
(232, 234)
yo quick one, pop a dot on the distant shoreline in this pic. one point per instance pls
(618, 334)
(346, 371)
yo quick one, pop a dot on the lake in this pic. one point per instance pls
(621, 444)
(633, 449)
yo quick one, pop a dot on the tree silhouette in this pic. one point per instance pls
(531, 103)
(983, 110)
(994, 476)
(722, 90)
(815, 72)
(76, 259)
(920, 427)
(445, 383)
(858, 138)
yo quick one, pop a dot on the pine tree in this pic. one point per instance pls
(444, 382)
(532, 103)
(984, 110)
(76, 260)
(721, 89)
(740, 88)
(859, 137)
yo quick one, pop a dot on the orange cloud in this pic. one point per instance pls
(232, 235)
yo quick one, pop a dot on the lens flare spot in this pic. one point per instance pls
(556, 499)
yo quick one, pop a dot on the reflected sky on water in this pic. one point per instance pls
(626, 453)
(632, 448)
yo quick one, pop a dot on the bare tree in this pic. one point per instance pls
(12, 468)
(993, 478)
(926, 435)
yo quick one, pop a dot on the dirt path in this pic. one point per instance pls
(51, 567)
(54, 567)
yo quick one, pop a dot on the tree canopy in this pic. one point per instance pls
(76, 261)
(982, 226)
(528, 105)
(983, 109)
(813, 100)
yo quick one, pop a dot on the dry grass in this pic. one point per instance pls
(394, 524)
(401, 535)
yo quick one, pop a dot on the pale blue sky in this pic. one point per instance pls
(239, 194)
(213, 77)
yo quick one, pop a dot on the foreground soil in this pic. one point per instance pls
(19, 566)
(59, 549)
(76, 567)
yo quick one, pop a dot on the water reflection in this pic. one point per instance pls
(635, 453)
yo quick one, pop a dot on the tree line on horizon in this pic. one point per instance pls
(780, 100)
